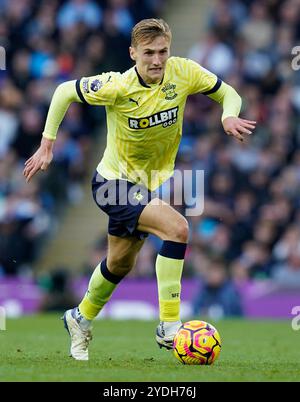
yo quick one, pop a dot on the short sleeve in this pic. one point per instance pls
(200, 79)
(100, 89)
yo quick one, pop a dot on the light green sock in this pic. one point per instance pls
(99, 292)
(168, 273)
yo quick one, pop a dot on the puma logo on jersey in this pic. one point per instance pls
(135, 101)
(166, 118)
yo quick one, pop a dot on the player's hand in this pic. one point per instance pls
(238, 127)
(40, 160)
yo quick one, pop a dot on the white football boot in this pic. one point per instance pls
(165, 333)
(80, 338)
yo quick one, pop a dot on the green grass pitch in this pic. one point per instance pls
(36, 348)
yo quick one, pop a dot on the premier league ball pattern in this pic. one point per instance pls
(197, 342)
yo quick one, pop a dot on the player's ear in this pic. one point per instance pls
(132, 53)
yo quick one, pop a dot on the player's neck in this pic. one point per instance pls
(146, 81)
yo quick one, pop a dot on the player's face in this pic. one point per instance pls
(151, 59)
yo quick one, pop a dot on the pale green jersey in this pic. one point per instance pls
(144, 122)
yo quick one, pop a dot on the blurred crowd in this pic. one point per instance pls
(250, 227)
(252, 190)
(46, 43)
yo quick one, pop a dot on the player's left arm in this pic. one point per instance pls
(201, 80)
(231, 102)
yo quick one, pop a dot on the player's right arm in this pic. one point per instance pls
(97, 90)
(63, 96)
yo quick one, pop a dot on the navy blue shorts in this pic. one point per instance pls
(123, 202)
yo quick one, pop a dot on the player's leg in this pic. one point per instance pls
(122, 254)
(165, 222)
(121, 258)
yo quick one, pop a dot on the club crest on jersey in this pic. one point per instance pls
(96, 85)
(169, 91)
(165, 118)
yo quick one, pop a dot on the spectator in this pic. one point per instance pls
(217, 297)
(213, 54)
(287, 274)
(58, 293)
(75, 11)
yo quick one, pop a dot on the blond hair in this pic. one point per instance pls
(147, 30)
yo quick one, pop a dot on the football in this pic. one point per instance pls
(197, 342)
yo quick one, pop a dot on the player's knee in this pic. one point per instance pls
(181, 232)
